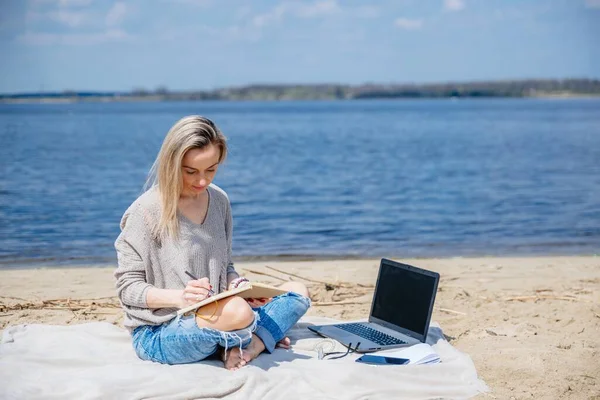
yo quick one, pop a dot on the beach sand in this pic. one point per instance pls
(531, 325)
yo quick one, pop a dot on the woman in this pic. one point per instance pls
(182, 225)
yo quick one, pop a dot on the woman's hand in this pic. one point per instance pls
(195, 291)
(238, 282)
(258, 302)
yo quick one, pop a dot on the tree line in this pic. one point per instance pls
(277, 92)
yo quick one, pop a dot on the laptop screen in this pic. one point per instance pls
(403, 298)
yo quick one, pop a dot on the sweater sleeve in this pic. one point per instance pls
(132, 247)
(229, 234)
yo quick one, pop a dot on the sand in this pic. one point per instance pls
(531, 325)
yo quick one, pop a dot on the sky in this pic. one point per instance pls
(106, 45)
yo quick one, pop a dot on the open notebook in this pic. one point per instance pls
(421, 353)
(253, 290)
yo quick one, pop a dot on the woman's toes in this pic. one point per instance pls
(233, 359)
(255, 347)
(284, 343)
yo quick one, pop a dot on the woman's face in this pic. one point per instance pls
(198, 169)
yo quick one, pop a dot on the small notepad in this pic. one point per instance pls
(252, 290)
(421, 353)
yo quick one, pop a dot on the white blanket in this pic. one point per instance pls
(97, 361)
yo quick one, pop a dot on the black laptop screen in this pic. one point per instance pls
(403, 298)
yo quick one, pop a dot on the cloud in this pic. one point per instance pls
(209, 35)
(454, 5)
(62, 3)
(592, 3)
(297, 9)
(316, 9)
(74, 3)
(196, 3)
(274, 15)
(366, 11)
(69, 18)
(242, 13)
(101, 26)
(61, 13)
(408, 24)
(116, 14)
(74, 39)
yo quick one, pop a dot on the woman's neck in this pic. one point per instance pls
(192, 198)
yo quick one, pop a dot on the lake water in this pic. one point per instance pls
(397, 178)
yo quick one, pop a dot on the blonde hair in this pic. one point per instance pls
(191, 132)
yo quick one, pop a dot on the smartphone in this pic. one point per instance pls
(381, 360)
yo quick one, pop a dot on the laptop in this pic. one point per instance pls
(400, 312)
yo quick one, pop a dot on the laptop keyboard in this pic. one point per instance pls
(370, 334)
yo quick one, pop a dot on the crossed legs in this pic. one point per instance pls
(235, 313)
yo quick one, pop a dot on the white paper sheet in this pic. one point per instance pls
(421, 353)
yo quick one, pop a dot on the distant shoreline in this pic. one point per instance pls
(541, 88)
(51, 101)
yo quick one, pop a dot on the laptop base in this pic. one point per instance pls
(351, 340)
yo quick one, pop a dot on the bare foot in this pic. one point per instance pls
(255, 347)
(284, 343)
(236, 359)
(233, 359)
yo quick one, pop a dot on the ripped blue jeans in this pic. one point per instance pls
(181, 341)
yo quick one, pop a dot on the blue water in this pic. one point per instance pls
(361, 178)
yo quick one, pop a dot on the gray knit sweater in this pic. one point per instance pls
(144, 262)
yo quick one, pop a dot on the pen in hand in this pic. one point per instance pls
(210, 291)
